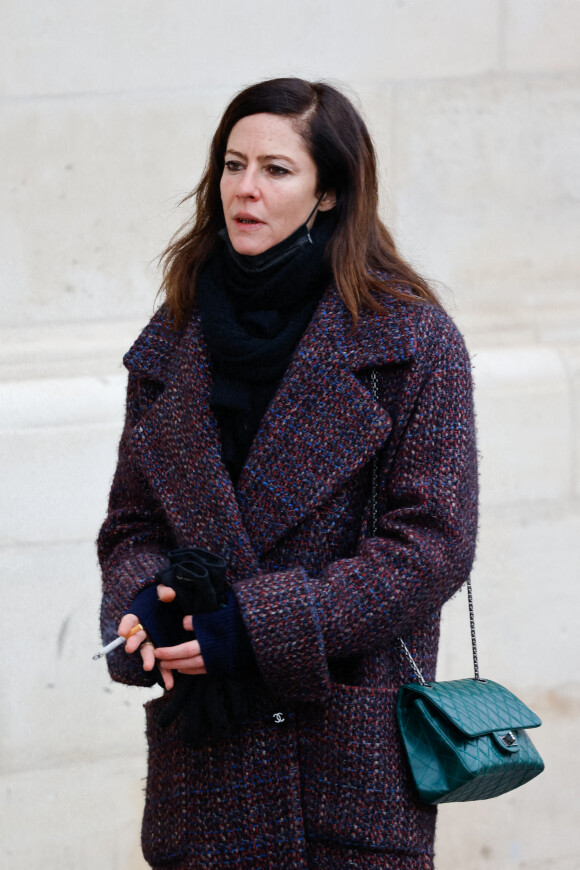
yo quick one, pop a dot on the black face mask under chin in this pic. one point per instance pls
(277, 255)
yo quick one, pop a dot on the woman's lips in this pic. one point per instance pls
(247, 220)
(244, 223)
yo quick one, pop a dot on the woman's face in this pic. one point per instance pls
(269, 185)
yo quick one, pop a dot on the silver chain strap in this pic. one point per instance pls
(472, 626)
(374, 530)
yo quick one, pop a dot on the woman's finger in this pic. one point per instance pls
(180, 651)
(128, 622)
(135, 641)
(188, 623)
(195, 662)
(165, 593)
(167, 676)
(147, 651)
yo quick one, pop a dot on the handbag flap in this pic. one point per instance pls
(475, 707)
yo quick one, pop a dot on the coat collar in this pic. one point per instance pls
(379, 339)
(321, 427)
(154, 351)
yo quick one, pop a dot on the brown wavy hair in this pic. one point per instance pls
(362, 253)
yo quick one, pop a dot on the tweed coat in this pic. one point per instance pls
(322, 598)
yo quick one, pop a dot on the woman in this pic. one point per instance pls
(254, 431)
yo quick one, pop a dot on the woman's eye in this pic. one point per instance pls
(277, 170)
(233, 165)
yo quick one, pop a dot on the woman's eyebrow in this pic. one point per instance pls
(261, 157)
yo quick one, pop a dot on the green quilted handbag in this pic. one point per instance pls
(466, 739)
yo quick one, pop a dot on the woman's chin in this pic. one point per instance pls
(245, 243)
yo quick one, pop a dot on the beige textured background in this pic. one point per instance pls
(106, 110)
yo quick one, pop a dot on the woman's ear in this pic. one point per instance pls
(328, 201)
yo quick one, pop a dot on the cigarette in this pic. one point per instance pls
(117, 642)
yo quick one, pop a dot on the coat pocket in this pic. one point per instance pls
(355, 785)
(228, 804)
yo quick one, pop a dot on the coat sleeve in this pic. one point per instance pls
(132, 544)
(422, 552)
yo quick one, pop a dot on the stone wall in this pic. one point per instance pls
(106, 110)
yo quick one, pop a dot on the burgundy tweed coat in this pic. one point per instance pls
(323, 600)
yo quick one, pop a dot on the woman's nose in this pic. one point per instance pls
(248, 186)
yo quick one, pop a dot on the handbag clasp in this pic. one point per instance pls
(507, 740)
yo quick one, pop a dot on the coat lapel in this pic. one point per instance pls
(178, 446)
(323, 424)
(321, 427)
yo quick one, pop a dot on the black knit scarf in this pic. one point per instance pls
(254, 310)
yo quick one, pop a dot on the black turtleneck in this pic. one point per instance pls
(254, 311)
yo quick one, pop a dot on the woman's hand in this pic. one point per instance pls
(185, 657)
(140, 640)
